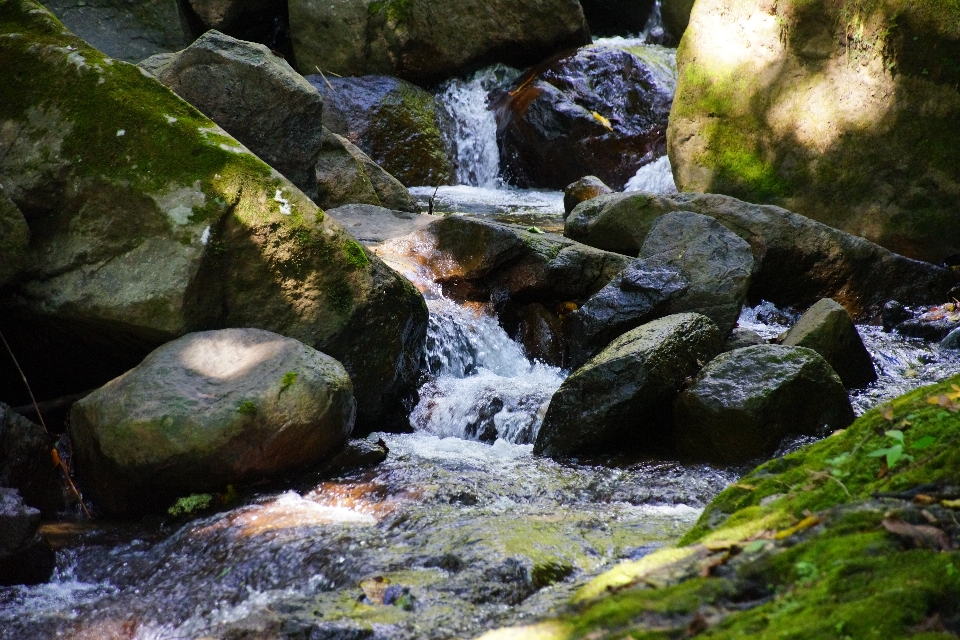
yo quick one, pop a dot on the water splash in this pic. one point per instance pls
(656, 177)
(473, 128)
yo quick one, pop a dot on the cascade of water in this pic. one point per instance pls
(473, 129)
(655, 177)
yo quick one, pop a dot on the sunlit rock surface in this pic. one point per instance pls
(843, 112)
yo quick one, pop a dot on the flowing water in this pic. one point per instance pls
(459, 530)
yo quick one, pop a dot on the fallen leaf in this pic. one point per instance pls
(375, 588)
(951, 504)
(745, 487)
(887, 412)
(922, 498)
(922, 535)
(606, 123)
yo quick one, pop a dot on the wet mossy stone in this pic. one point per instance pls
(148, 221)
(427, 42)
(620, 399)
(688, 262)
(745, 402)
(827, 328)
(778, 103)
(206, 410)
(14, 238)
(797, 260)
(398, 124)
(256, 97)
(346, 175)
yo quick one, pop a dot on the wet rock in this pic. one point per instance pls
(148, 222)
(929, 330)
(541, 333)
(346, 175)
(492, 261)
(743, 403)
(676, 17)
(209, 409)
(257, 20)
(601, 109)
(372, 224)
(124, 30)
(743, 125)
(827, 328)
(740, 338)
(616, 17)
(582, 190)
(892, 314)
(257, 97)
(26, 463)
(424, 41)
(25, 558)
(952, 341)
(797, 260)
(689, 262)
(14, 238)
(620, 400)
(398, 124)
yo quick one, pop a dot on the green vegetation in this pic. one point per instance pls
(191, 504)
(247, 408)
(852, 537)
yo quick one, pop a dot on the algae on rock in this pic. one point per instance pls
(148, 221)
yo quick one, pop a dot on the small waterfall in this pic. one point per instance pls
(655, 177)
(473, 134)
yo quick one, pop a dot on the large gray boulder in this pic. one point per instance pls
(827, 328)
(797, 260)
(122, 29)
(25, 558)
(14, 238)
(26, 462)
(745, 402)
(398, 124)
(485, 259)
(689, 262)
(425, 41)
(256, 97)
(209, 409)
(620, 400)
(346, 175)
(148, 222)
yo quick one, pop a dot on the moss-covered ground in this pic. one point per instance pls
(852, 537)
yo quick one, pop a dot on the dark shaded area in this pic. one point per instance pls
(616, 17)
(266, 22)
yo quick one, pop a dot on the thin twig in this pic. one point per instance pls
(325, 78)
(36, 407)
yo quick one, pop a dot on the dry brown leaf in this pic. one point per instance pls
(922, 535)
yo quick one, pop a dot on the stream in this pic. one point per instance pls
(461, 529)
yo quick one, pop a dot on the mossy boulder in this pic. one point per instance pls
(829, 541)
(745, 402)
(14, 238)
(206, 410)
(398, 124)
(689, 263)
(425, 41)
(346, 175)
(621, 399)
(256, 97)
(828, 329)
(841, 110)
(125, 30)
(148, 221)
(797, 261)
